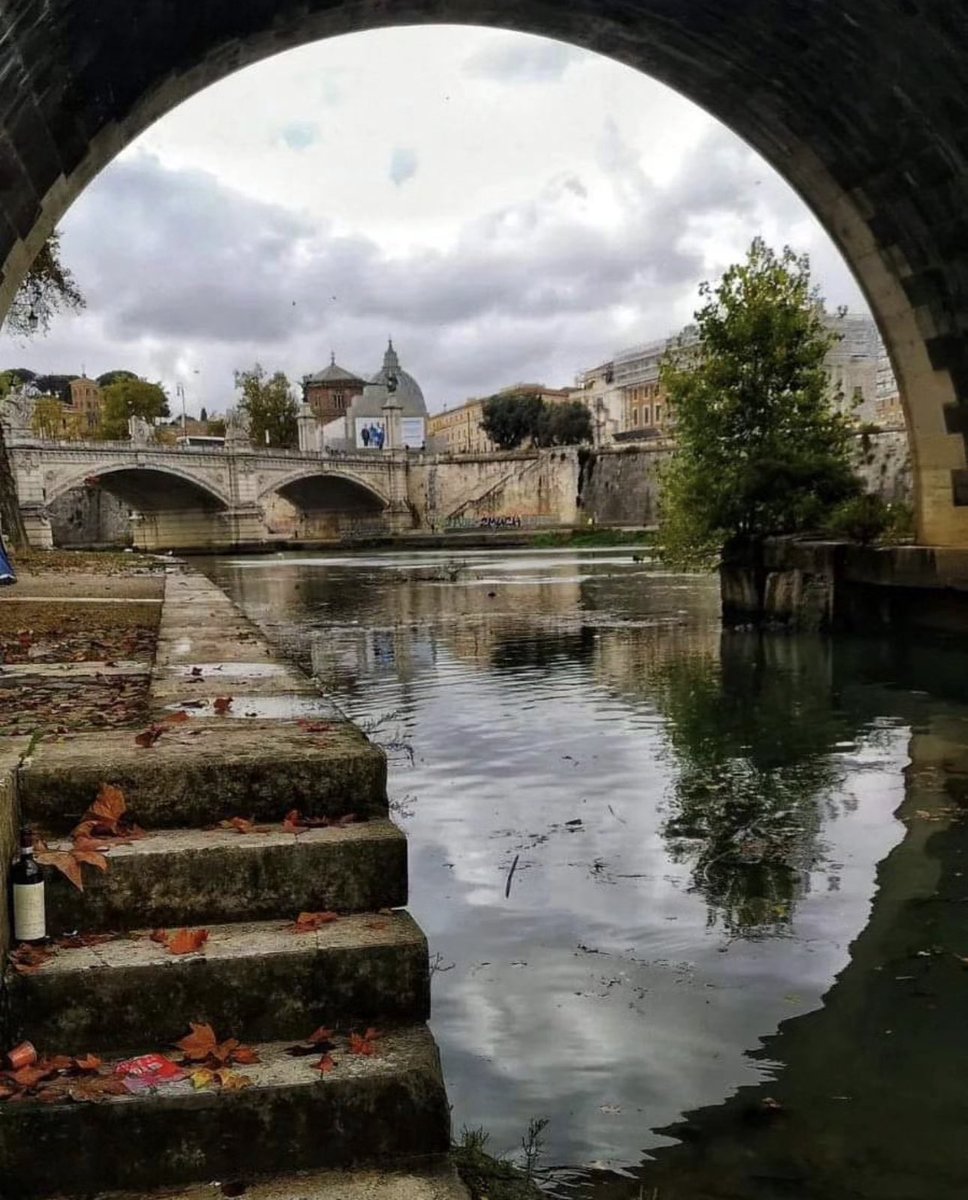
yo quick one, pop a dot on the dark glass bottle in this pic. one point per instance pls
(27, 879)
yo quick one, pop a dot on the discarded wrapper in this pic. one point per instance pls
(148, 1071)
(23, 1055)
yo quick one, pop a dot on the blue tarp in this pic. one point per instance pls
(7, 575)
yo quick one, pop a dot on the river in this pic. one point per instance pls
(692, 896)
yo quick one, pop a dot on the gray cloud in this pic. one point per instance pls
(523, 60)
(177, 266)
(403, 164)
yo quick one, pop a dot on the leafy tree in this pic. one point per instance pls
(216, 427)
(512, 419)
(203, 415)
(15, 377)
(54, 385)
(48, 288)
(130, 398)
(566, 424)
(760, 450)
(110, 377)
(49, 418)
(269, 405)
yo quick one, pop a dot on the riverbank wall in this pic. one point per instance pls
(837, 586)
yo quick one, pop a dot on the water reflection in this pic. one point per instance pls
(697, 818)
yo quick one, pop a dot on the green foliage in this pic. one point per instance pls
(522, 418)
(130, 398)
(216, 427)
(269, 405)
(48, 419)
(13, 378)
(868, 518)
(110, 377)
(48, 288)
(512, 420)
(490, 1178)
(760, 450)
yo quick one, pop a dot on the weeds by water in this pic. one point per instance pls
(487, 1177)
(592, 537)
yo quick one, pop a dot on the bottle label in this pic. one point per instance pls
(29, 918)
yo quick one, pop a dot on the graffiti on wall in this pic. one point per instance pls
(509, 521)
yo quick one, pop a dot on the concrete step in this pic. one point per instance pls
(199, 877)
(367, 1111)
(255, 981)
(434, 1182)
(199, 773)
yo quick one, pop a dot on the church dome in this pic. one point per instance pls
(408, 393)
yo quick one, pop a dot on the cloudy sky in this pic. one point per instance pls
(506, 207)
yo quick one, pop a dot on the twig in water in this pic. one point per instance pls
(507, 886)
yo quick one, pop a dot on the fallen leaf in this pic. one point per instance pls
(308, 921)
(187, 941)
(320, 1035)
(176, 718)
(244, 1055)
(364, 1044)
(202, 1078)
(78, 941)
(222, 704)
(28, 1077)
(233, 1082)
(91, 857)
(89, 1062)
(149, 736)
(199, 1044)
(160, 936)
(27, 960)
(65, 862)
(243, 825)
(325, 1064)
(197, 672)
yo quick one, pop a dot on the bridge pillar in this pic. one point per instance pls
(195, 529)
(37, 525)
(398, 513)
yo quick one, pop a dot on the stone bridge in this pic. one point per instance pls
(211, 499)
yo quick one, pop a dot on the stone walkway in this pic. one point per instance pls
(275, 747)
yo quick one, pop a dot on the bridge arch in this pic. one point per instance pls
(307, 479)
(132, 482)
(859, 105)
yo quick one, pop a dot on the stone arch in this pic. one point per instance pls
(212, 499)
(311, 473)
(859, 105)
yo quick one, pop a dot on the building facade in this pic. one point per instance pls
(458, 430)
(330, 392)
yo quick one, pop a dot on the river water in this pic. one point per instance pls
(692, 896)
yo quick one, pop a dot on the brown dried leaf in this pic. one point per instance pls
(187, 941)
(198, 1044)
(149, 736)
(65, 862)
(160, 936)
(176, 718)
(222, 704)
(92, 857)
(308, 921)
(326, 1064)
(88, 1062)
(233, 1082)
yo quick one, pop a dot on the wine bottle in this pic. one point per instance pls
(29, 914)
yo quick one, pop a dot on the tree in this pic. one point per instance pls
(203, 415)
(110, 377)
(49, 418)
(130, 398)
(48, 288)
(269, 405)
(760, 450)
(216, 427)
(566, 424)
(509, 419)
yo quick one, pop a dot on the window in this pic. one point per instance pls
(658, 413)
(635, 418)
(646, 414)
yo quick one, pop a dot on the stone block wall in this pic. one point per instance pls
(88, 517)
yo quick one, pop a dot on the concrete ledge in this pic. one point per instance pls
(253, 981)
(366, 1111)
(197, 775)
(201, 877)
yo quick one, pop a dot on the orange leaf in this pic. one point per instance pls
(89, 1062)
(160, 936)
(92, 857)
(243, 825)
(187, 941)
(321, 1035)
(28, 1077)
(325, 1064)
(198, 1044)
(361, 1045)
(222, 704)
(176, 718)
(65, 862)
(109, 806)
(244, 1055)
(149, 736)
(232, 1082)
(308, 921)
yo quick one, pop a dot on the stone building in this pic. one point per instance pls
(330, 392)
(458, 430)
(361, 425)
(84, 406)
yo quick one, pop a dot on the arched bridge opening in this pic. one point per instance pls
(326, 507)
(150, 508)
(859, 105)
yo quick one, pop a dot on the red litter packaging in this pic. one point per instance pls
(148, 1071)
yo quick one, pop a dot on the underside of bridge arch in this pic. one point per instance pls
(151, 509)
(324, 508)
(860, 104)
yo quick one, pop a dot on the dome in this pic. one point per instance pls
(407, 394)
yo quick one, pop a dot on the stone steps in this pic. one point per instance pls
(388, 1107)
(201, 877)
(196, 775)
(256, 981)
